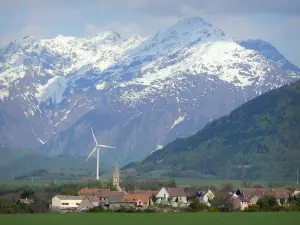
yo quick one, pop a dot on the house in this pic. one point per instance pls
(88, 202)
(253, 200)
(202, 195)
(141, 201)
(113, 202)
(173, 196)
(240, 203)
(293, 191)
(144, 192)
(102, 194)
(25, 201)
(281, 195)
(66, 202)
(106, 195)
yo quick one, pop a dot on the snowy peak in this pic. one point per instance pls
(185, 33)
(190, 30)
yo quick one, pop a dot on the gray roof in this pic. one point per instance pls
(176, 192)
(70, 197)
(116, 198)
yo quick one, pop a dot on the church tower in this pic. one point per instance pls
(116, 177)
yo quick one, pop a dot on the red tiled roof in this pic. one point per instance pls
(88, 192)
(136, 197)
(248, 193)
(176, 192)
(103, 193)
(146, 192)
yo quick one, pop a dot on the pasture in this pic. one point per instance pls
(153, 218)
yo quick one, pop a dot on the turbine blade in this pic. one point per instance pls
(105, 146)
(91, 154)
(94, 136)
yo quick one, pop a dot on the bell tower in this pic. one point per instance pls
(116, 177)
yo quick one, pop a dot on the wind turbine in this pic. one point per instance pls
(97, 147)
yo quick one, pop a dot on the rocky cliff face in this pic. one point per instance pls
(138, 93)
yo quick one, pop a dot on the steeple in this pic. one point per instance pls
(116, 176)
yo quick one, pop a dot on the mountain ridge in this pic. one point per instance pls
(166, 86)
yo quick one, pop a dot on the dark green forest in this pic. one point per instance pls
(258, 140)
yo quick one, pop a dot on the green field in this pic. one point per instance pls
(201, 182)
(35, 183)
(151, 218)
(179, 181)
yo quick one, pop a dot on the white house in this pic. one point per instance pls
(293, 191)
(205, 196)
(202, 195)
(239, 203)
(66, 202)
(173, 196)
(88, 202)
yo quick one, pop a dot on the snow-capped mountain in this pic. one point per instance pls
(137, 93)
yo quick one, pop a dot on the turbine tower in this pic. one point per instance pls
(97, 147)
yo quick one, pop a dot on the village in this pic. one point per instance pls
(165, 198)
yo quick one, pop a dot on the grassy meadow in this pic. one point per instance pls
(153, 218)
(179, 181)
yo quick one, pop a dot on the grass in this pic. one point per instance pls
(29, 183)
(200, 182)
(159, 218)
(38, 183)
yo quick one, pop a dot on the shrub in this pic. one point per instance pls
(96, 209)
(197, 206)
(252, 208)
(213, 209)
(149, 210)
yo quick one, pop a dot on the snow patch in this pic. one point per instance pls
(54, 89)
(4, 94)
(101, 86)
(179, 120)
(159, 147)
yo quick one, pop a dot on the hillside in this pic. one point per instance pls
(258, 140)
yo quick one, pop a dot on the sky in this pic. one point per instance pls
(276, 21)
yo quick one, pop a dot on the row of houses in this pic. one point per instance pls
(89, 198)
(245, 197)
(141, 199)
(176, 197)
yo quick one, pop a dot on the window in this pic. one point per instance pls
(65, 203)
